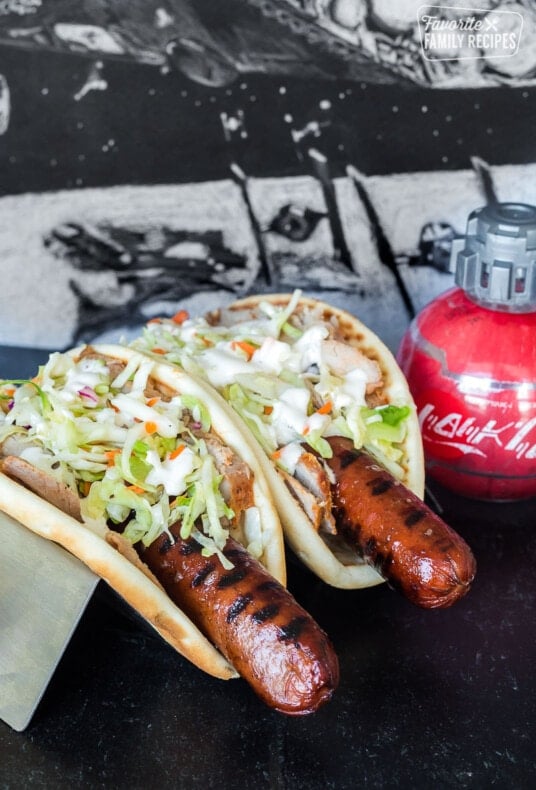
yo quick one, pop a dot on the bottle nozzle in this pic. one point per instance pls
(495, 263)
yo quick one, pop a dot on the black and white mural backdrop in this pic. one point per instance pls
(156, 153)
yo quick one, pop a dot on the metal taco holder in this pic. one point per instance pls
(44, 592)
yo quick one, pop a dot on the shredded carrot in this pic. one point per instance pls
(276, 454)
(247, 348)
(110, 455)
(10, 391)
(177, 451)
(326, 408)
(152, 401)
(115, 408)
(159, 350)
(268, 409)
(206, 341)
(151, 427)
(306, 430)
(136, 489)
(85, 486)
(181, 317)
(154, 321)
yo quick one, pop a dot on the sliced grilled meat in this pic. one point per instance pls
(43, 484)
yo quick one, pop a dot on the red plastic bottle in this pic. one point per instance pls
(470, 360)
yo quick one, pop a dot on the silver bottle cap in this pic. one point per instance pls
(495, 263)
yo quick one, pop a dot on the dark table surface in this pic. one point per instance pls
(427, 698)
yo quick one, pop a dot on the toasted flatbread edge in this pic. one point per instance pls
(299, 533)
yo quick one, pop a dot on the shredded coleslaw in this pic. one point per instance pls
(133, 456)
(288, 377)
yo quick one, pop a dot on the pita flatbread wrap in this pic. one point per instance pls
(295, 371)
(104, 434)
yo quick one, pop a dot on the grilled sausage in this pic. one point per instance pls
(396, 532)
(253, 620)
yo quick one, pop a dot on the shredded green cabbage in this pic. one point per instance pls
(106, 440)
(297, 357)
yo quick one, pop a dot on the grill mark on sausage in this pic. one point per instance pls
(238, 606)
(189, 548)
(229, 553)
(443, 545)
(379, 485)
(266, 613)
(348, 457)
(414, 516)
(272, 585)
(293, 629)
(383, 562)
(200, 577)
(353, 529)
(232, 578)
(165, 545)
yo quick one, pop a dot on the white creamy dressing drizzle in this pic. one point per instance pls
(171, 473)
(289, 377)
(291, 418)
(81, 381)
(222, 365)
(72, 425)
(131, 407)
